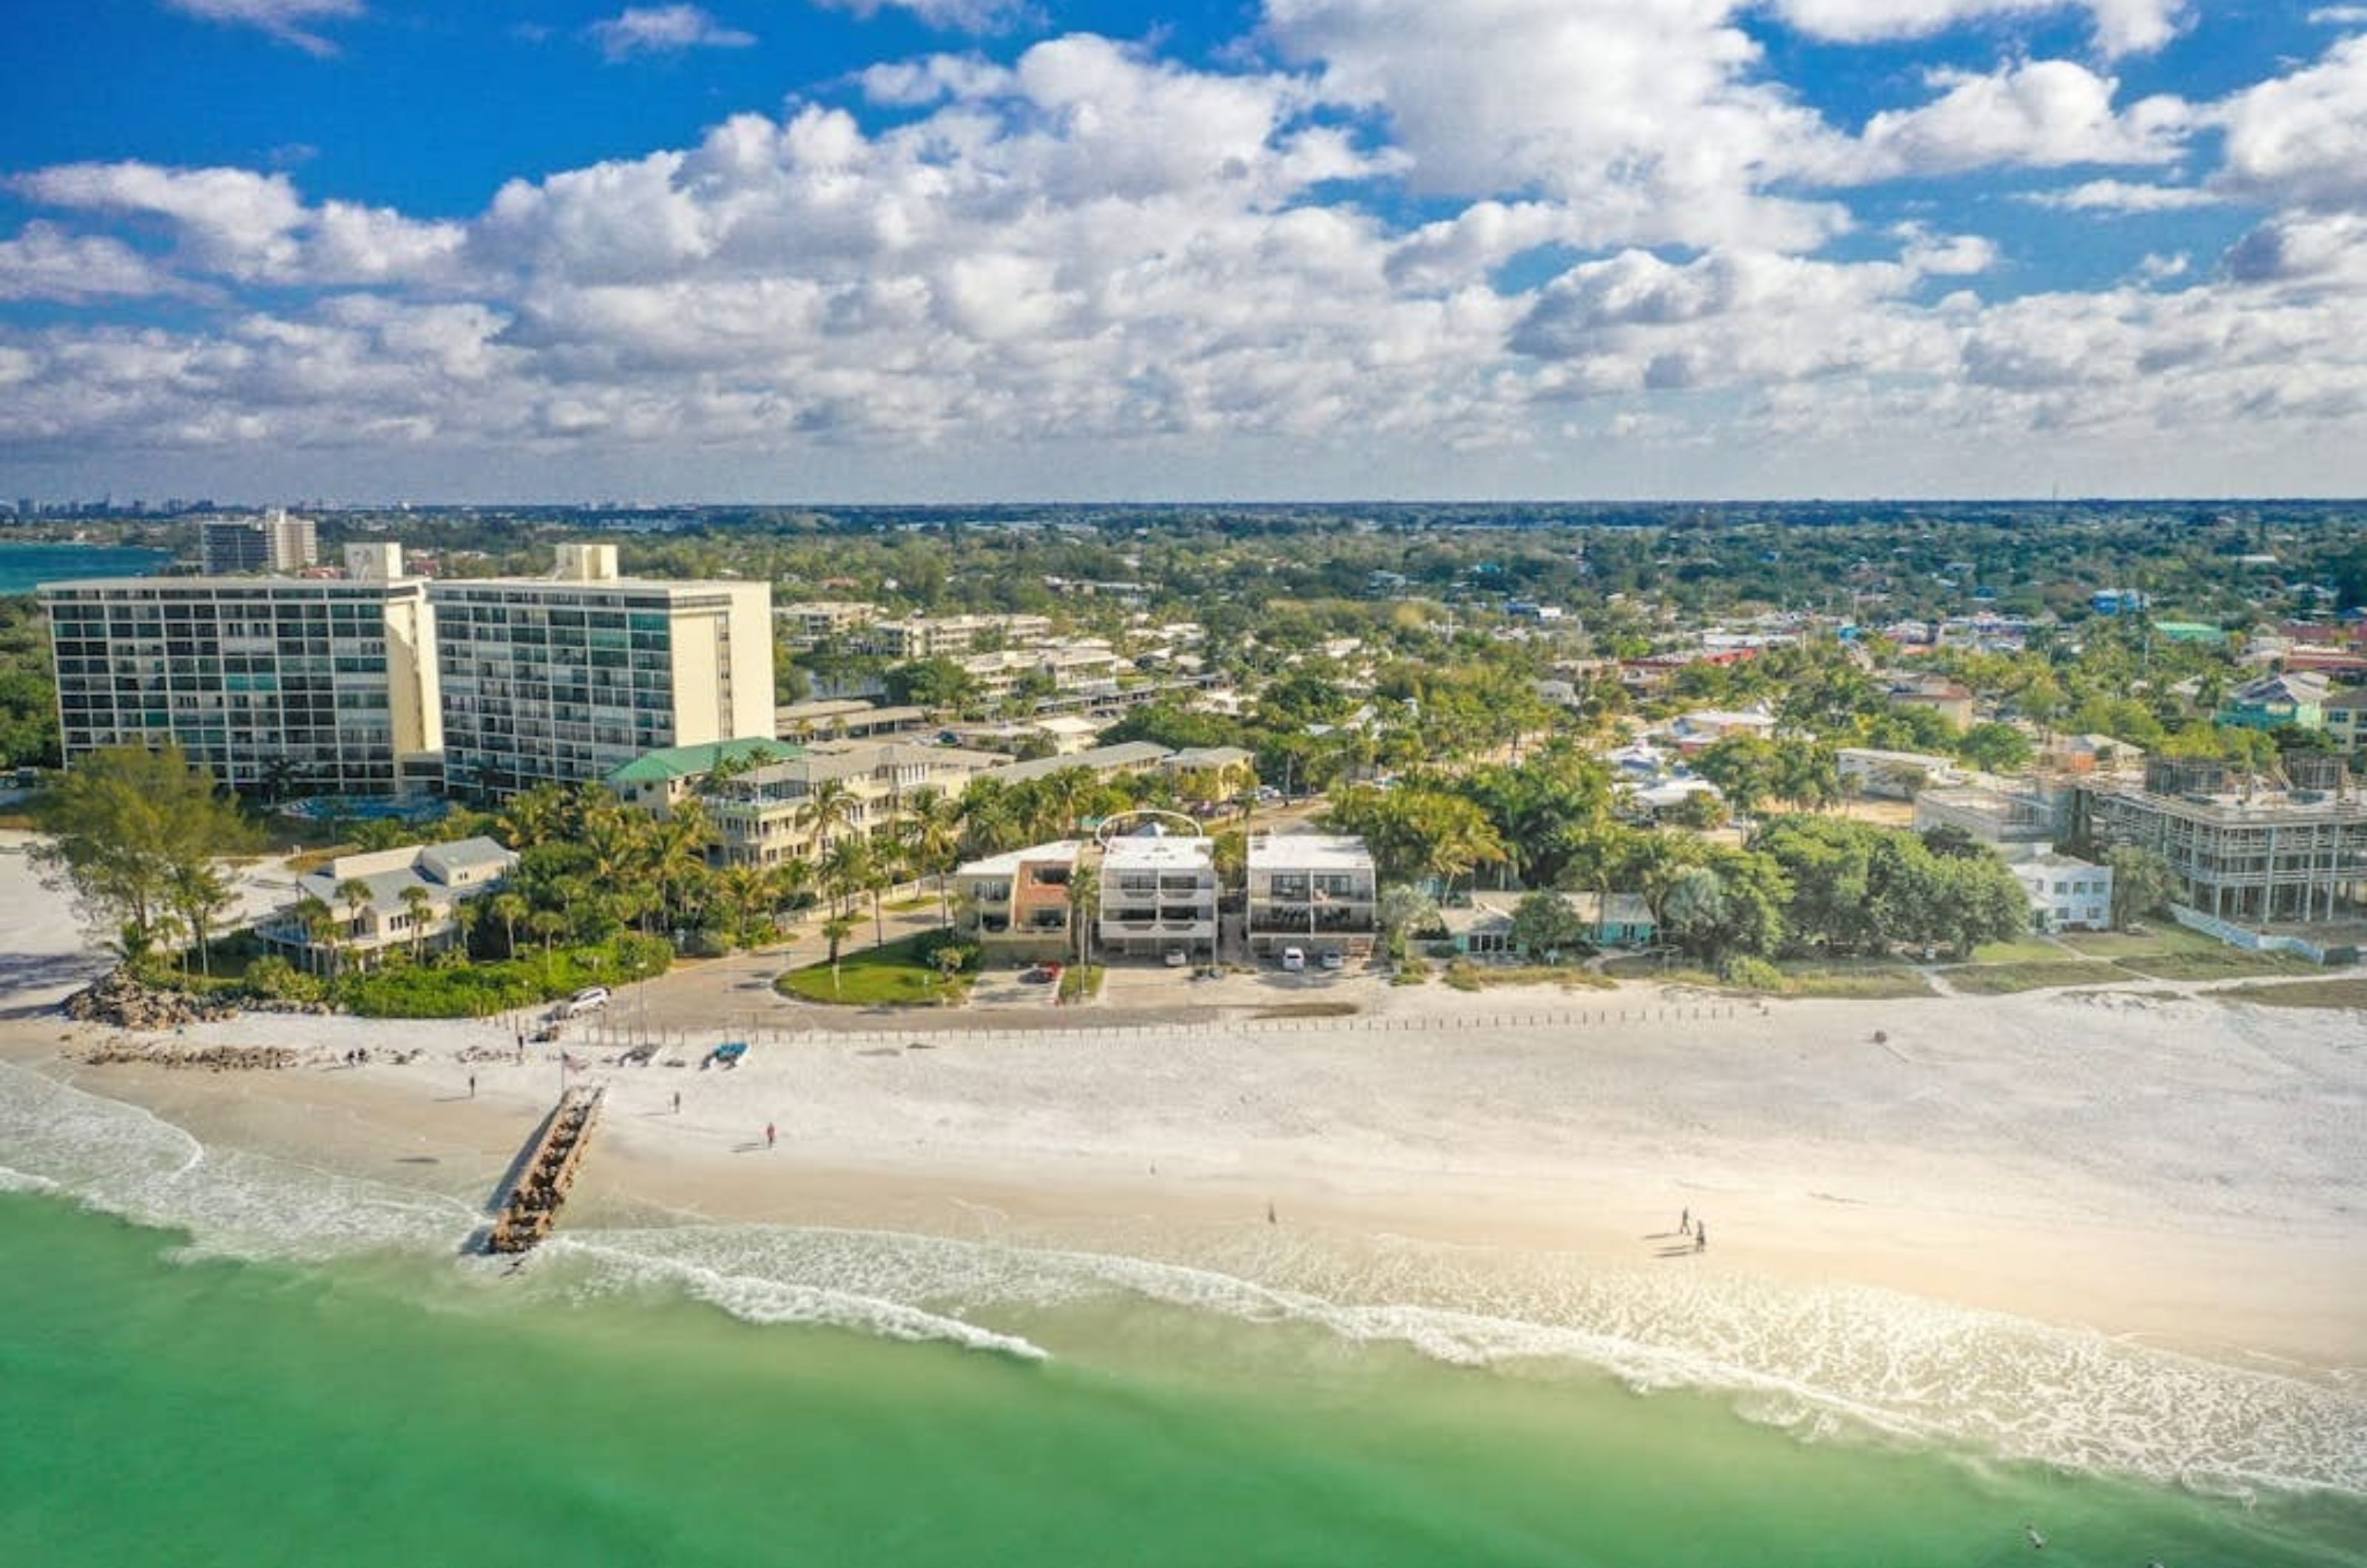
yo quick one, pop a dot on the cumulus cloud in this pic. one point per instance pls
(240, 224)
(663, 29)
(2303, 138)
(2042, 114)
(2122, 26)
(286, 20)
(47, 263)
(1642, 116)
(1093, 245)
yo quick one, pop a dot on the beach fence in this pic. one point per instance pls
(696, 1044)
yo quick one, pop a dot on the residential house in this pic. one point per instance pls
(2066, 893)
(1892, 775)
(1016, 904)
(2296, 697)
(445, 877)
(1483, 928)
(1317, 892)
(2346, 718)
(1934, 693)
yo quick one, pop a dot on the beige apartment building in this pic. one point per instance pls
(293, 685)
(764, 817)
(566, 678)
(949, 637)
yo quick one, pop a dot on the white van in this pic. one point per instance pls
(591, 998)
(1294, 959)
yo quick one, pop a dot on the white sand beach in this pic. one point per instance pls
(2158, 1168)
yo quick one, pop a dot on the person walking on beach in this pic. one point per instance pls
(1685, 1222)
(1270, 1215)
(769, 1134)
(677, 1102)
(1701, 1238)
(472, 1086)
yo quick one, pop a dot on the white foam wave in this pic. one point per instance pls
(123, 1160)
(1820, 1362)
(753, 1298)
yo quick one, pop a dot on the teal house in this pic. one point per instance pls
(2296, 698)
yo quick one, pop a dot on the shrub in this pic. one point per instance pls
(1753, 975)
(273, 979)
(405, 990)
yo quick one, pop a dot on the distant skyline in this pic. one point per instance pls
(941, 251)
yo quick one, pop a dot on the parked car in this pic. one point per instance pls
(1333, 959)
(591, 998)
(1175, 958)
(1294, 959)
(1042, 975)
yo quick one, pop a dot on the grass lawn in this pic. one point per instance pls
(2218, 963)
(2350, 991)
(2022, 949)
(1873, 978)
(1082, 982)
(2155, 941)
(1998, 979)
(876, 976)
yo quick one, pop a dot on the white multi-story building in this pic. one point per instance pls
(1317, 892)
(565, 679)
(2066, 893)
(1158, 894)
(292, 686)
(1016, 904)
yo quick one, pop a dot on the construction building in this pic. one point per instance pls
(2242, 852)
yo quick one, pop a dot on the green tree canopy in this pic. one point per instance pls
(134, 833)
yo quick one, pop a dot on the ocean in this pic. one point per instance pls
(208, 1359)
(25, 566)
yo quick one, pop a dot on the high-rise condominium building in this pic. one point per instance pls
(563, 679)
(282, 684)
(273, 542)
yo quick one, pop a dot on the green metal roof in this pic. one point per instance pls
(689, 762)
(2189, 631)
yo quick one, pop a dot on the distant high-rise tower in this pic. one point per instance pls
(274, 542)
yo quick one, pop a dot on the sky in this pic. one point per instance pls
(841, 250)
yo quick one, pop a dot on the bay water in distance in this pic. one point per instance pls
(25, 566)
(209, 1357)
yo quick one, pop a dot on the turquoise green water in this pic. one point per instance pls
(395, 1409)
(25, 566)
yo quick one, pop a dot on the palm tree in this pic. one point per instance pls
(830, 806)
(930, 833)
(356, 895)
(1085, 906)
(415, 903)
(199, 893)
(313, 917)
(835, 931)
(509, 908)
(844, 869)
(467, 914)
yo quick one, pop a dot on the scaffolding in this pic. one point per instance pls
(2261, 856)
